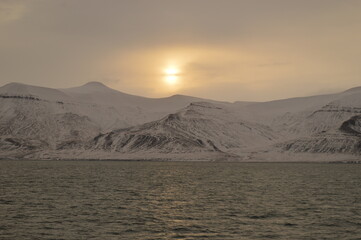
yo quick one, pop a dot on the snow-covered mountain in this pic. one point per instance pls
(200, 127)
(95, 121)
(113, 109)
(106, 107)
(36, 118)
(333, 128)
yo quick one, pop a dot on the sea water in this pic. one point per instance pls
(179, 200)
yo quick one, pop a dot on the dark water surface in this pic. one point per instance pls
(179, 200)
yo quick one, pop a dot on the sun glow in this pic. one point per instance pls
(171, 79)
(171, 71)
(171, 75)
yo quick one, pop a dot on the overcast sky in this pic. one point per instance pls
(223, 49)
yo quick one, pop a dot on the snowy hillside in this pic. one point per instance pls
(199, 127)
(107, 108)
(36, 124)
(334, 128)
(40, 93)
(36, 118)
(112, 109)
(96, 121)
(306, 115)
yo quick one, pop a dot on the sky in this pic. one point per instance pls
(250, 50)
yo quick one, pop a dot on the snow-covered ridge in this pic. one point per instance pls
(94, 118)
(106, 107)
(200, 127)
(23, 90)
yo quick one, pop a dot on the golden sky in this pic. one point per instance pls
(220, 49)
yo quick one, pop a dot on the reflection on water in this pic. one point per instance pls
(179, 200)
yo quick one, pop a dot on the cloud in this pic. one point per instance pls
(11, 10)
(256, 49)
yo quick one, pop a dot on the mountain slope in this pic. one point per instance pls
(106, 107)
(94, 120)
(334, 128)
(98, 93)
(201, 127)
(125, 109)
(30, 124)
(22, 90)
(38, 118)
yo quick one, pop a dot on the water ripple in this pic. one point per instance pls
(178, 200)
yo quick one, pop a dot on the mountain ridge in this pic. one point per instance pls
(94, 120)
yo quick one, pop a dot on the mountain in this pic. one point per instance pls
(112, 109)
(283, 114)
(333, 128)
(313, 124)
(98, 93)
(106, 107)
(13, 90)
(38, 118)
(95, 121)
(200, 127)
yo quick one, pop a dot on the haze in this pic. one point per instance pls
(225, 50)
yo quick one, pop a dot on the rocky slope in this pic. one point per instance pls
(200, 127)
(334, 128)
(345, 139)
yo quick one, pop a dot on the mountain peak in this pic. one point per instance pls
(89, 87)
(95, 85)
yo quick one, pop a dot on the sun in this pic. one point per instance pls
(171, 71)
(171, 75)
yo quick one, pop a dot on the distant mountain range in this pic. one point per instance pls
(96, 122)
